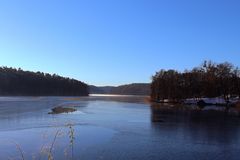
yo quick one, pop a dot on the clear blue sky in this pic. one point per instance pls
(112, 42)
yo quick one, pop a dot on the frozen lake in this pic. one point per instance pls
(107, 128)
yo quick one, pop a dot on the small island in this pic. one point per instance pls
(59, 110)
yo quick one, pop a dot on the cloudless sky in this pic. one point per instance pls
(113, 42)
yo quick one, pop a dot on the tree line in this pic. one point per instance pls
(208, 80)
(25, 83)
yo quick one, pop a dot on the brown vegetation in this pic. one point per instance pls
(208, 80)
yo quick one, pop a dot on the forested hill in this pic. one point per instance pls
(129, 89)
(100, 90)
(25, 83)
(132, 89)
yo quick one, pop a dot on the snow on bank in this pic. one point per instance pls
(216, 100)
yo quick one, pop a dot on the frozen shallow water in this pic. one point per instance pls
(110, 128)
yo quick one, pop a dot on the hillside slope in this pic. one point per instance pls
(129, 89)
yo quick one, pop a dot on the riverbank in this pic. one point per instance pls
(206, 107)
(217, 101)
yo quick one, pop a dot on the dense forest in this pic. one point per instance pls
(26, 83)
(208, 80)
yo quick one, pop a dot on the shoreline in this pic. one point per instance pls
(202, 102)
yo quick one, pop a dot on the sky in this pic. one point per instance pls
(114, 42)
